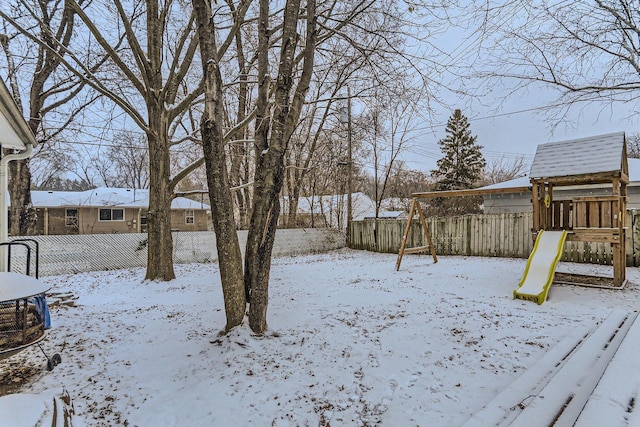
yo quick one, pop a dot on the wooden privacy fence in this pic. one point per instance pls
(494, 235)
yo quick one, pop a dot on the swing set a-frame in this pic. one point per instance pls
(415, 208)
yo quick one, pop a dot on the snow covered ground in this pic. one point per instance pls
(351, 342)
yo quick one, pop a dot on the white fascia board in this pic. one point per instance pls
(14, 132)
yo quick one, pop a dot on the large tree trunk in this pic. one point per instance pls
(293, 182)
(239, 138)
(292, 209)
(228, 246)
(160, 240)
(269, 174)
(21, 213)
(262, 149)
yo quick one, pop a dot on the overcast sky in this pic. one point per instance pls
(512, 127)
(518, 127)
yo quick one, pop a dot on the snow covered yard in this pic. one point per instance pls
(352, 342)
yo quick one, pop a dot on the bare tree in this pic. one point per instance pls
(336, 63)
(159, 72)
(364, 45)
(240, 154)
(325, 175)
(56, 97)
(275, 122)
(151, 46)
(588, 51)
(504, 169)
(64, 184)
(633, 145)
(402, 183)
(130, 160)
(213, 138)
(311, 132)
(391, 124)
(124, 163)
(278, 115)
(274, 125)
(50, 163)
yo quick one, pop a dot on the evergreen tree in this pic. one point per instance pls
(463, 163)
(461, 167)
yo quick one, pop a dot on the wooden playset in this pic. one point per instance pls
(596, 166)
(599, 217)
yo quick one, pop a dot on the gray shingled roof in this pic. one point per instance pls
(595, 154)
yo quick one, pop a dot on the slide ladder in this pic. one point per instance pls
(541, 266)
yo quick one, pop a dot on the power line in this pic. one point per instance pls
(494, 116)
(432, 153)
(478, 41)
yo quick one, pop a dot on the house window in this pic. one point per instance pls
(189, 216)
(143, 218)
(111, 215)
(71, 217)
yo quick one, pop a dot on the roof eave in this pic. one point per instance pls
(13, 118)
(592, 178)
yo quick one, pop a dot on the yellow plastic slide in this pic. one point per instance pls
(541, 266)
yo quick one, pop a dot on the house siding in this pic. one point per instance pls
(521, 202)
(178, 220)
(51, 221)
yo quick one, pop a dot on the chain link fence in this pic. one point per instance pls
(64, 254)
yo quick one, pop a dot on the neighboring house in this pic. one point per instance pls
(521, 202)
(330, 211)
(109, 210)
(510, 202)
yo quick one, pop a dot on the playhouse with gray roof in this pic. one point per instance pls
(596, 218)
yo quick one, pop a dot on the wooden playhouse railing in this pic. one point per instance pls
(592, 219)
(598, 219)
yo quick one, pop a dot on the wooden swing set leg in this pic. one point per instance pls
(427, 234)
(415, 205)
(403, 244)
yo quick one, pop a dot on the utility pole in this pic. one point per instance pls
(349, 169)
